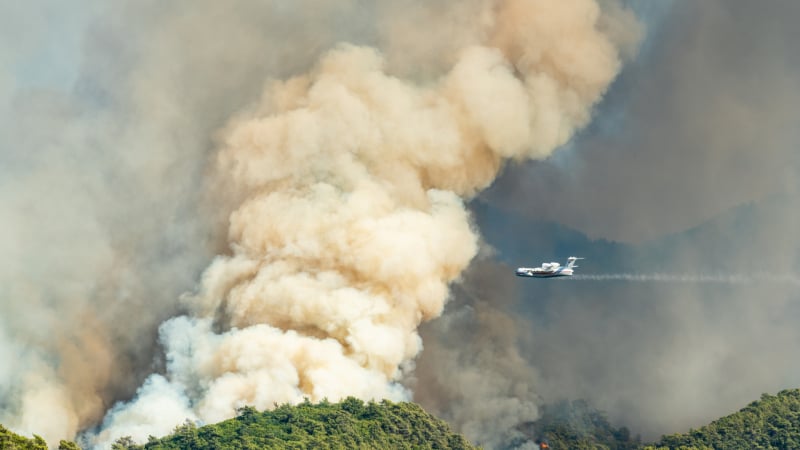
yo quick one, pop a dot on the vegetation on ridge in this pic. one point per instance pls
(770, 423)
(577, 426)
(773, 422)
(351, 424)
(13, 441)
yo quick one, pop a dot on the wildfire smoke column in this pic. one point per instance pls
(351, 221)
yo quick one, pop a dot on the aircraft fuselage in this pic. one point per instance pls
(538, 272)
(549, 269)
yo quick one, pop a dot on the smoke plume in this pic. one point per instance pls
(106, 121)
(473, 372)
(691, 167)
(351, 223)
(334, 203)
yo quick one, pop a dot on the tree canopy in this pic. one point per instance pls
(770, 423)
(773, 422)
(13, 441)
(351, 424)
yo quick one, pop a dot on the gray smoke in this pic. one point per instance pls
(108, 114)
(324, 183)
(473, 372)
(689, 172)
(349, 222)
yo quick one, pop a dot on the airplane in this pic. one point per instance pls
(549, 270)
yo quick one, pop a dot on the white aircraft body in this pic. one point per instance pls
(549, 270)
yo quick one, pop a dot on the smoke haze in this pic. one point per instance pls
(206, 206)
(105, 142)
(690, 168)
(351, 224)
(690, 278)
(344, 178)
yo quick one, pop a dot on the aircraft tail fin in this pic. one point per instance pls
(571, 262)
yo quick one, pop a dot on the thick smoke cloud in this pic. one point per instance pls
(108, 116)
(351, 224)
(691, 167)
(344, 186)
(472, 372)
(701, 123)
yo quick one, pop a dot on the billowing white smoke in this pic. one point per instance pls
(351, 223)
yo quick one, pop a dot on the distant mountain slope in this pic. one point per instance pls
(770, 423)
(577, 426)
(773, 422)
(351, 424)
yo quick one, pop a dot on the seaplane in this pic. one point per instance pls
(549, 270)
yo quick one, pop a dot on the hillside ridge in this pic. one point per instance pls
(772, 422)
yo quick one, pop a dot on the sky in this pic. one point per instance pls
(676, 177)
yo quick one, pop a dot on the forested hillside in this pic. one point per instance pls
(351, 424)
(577, 426)
(770, 423)
(773, 422)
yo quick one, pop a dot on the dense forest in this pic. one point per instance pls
(351, 424)
(770, 423)
(773, 422)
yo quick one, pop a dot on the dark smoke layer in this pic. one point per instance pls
(690, 170)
